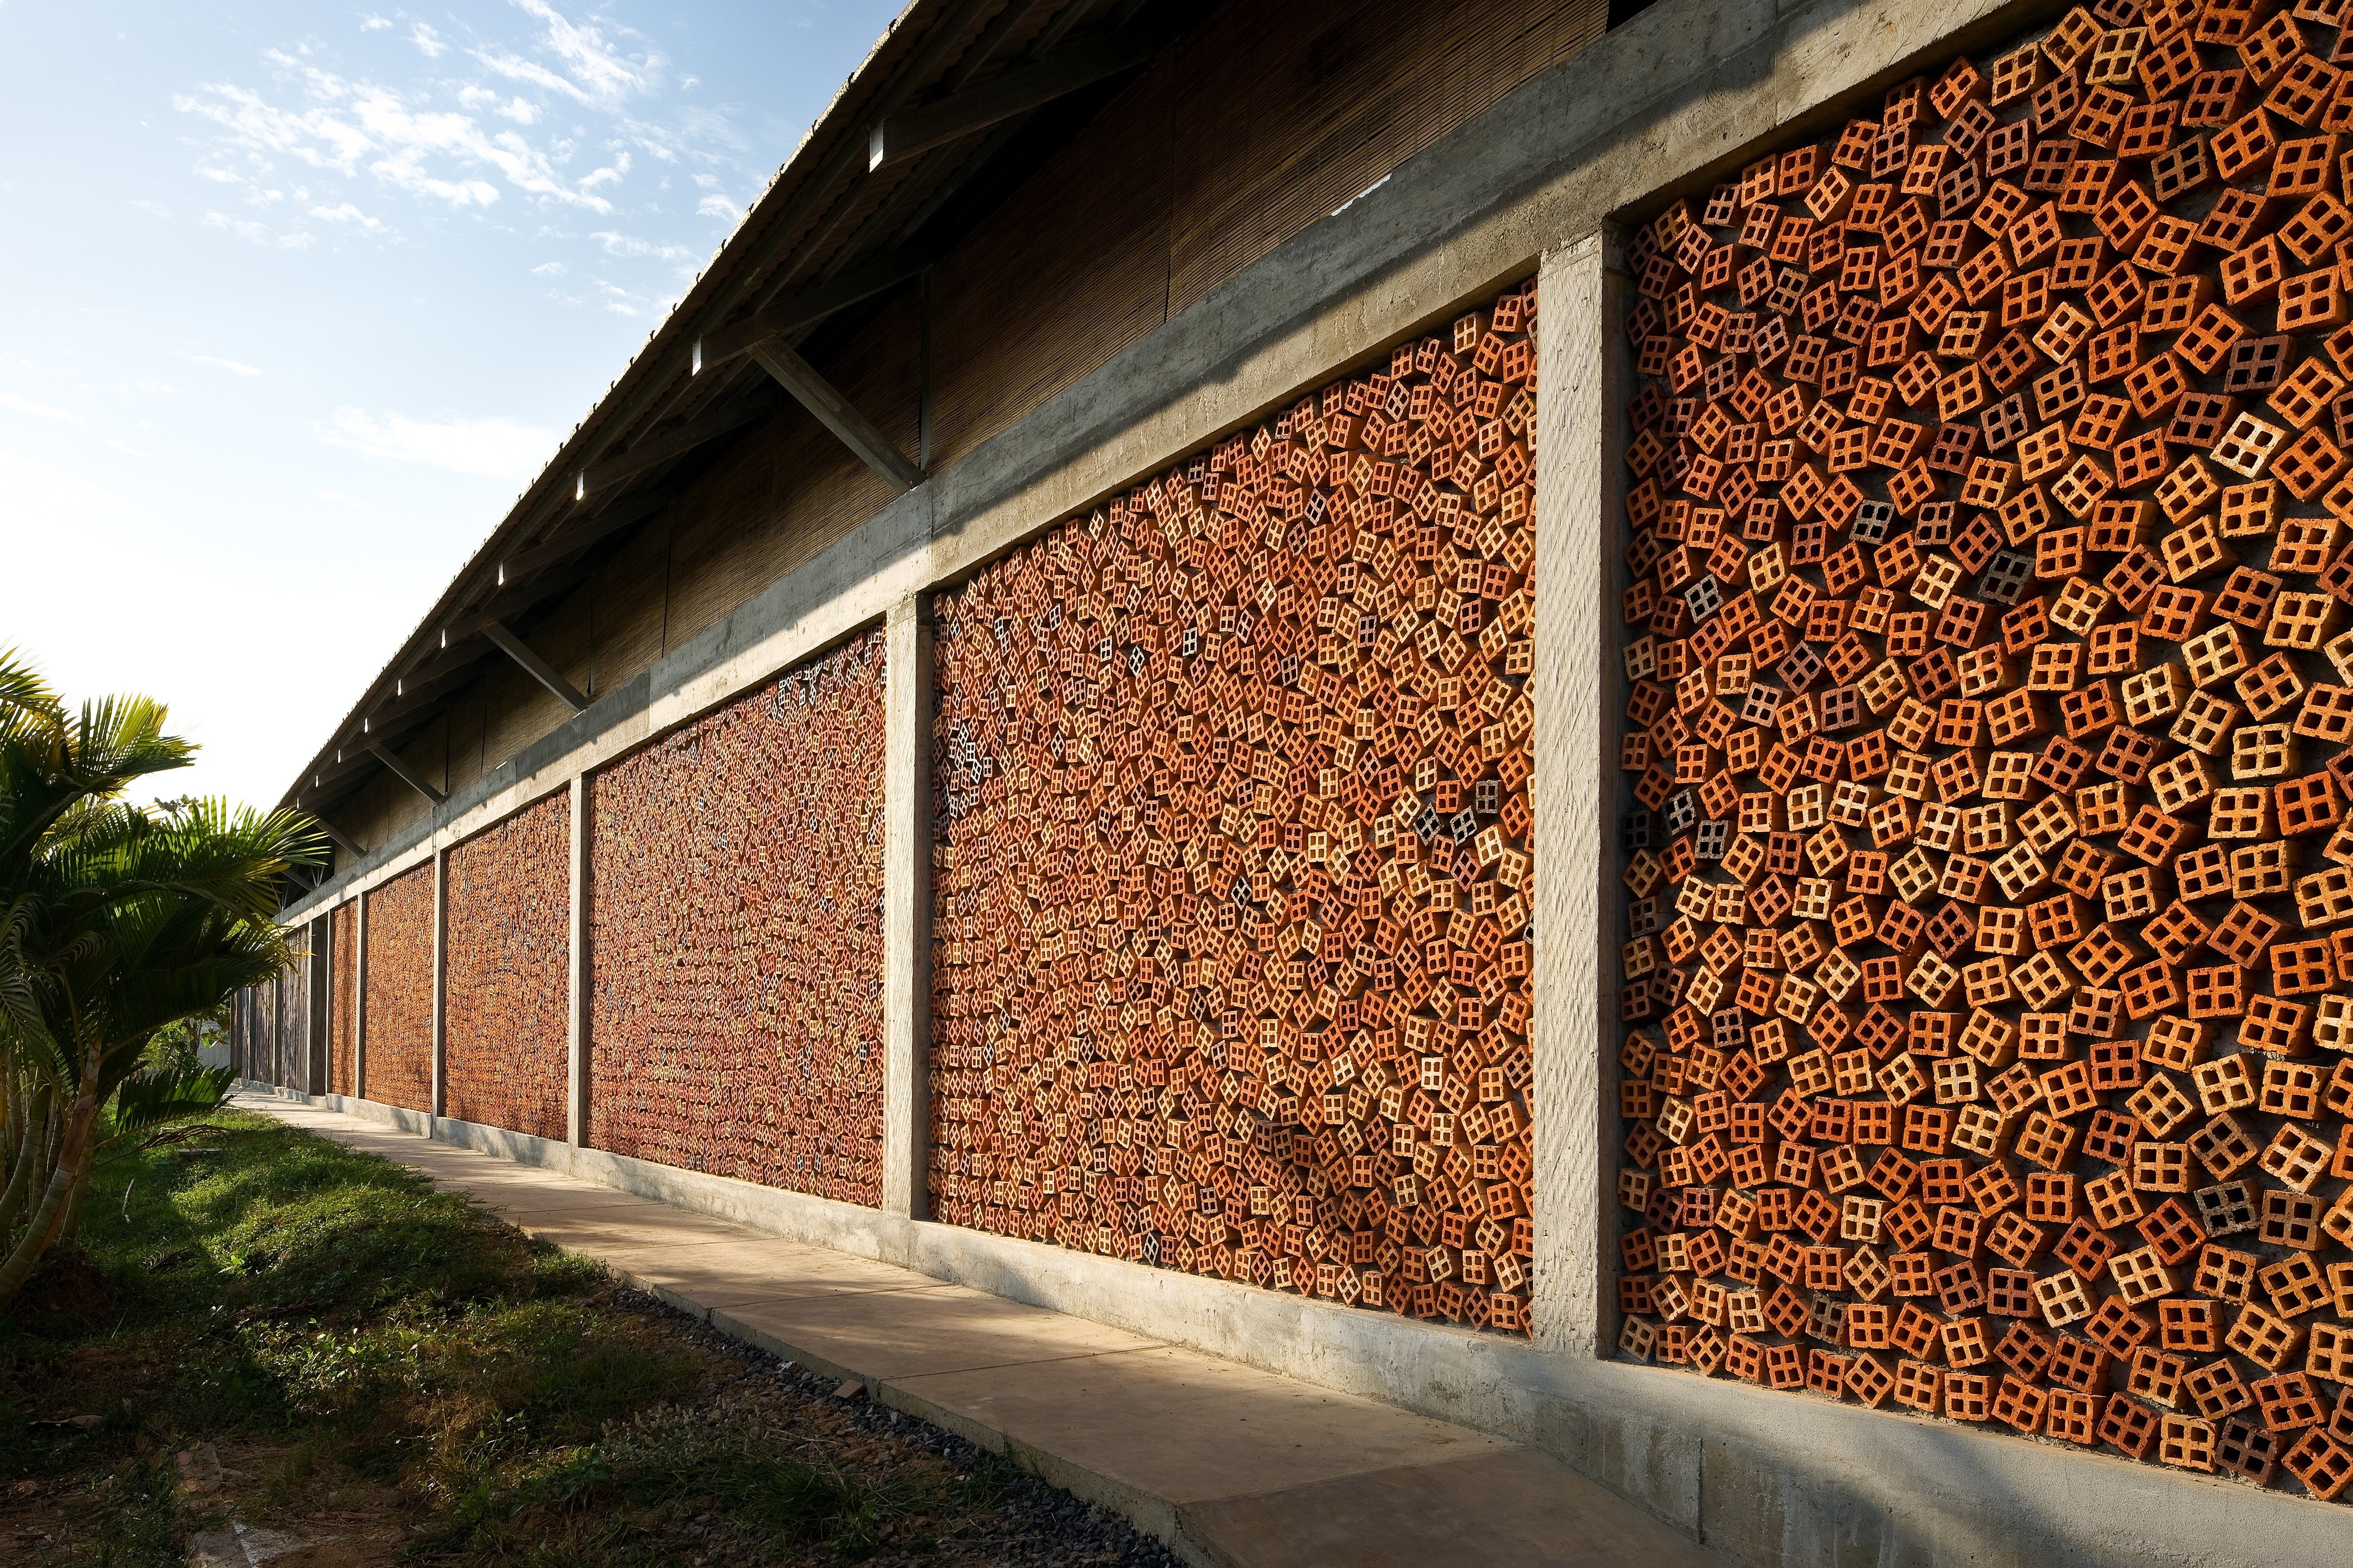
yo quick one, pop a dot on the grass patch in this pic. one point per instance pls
(608, 1500)
(344, 1331)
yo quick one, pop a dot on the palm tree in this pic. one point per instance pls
(115, 921)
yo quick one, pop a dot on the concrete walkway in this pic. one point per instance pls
(1231, 1466)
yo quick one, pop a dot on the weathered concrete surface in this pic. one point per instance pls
(1231, 1466)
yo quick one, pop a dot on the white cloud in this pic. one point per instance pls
(424, 152)
(548, 270)
(621, 302)
(23, 404)
(154, 209)
(608, 176)
(259, 234)
(346, 213)
(617, 244)
(234, 367)
(496, 449)
(596, 72)
(313, 153)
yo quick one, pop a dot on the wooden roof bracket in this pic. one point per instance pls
(336, 836)
(402, 771)
(837, 413)
(538, 668)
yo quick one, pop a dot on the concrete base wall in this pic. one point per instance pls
(1771, 1479)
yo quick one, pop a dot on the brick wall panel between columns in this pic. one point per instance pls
(400, 991)
(1232, 877)
(343, 999)
(1986, 984)
(508, 984)
(736, 939)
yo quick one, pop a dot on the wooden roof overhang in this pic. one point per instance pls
(958, 102)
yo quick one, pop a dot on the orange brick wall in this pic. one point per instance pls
(1232, 883)
(506, 1062)
(400, 992)
(343, 1001)
(736, 869)
(1985, 988)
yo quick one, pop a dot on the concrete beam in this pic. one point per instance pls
(538, 668)
(837, 413)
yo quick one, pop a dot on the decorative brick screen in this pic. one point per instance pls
(342, 996)
(506, 1060)
(1987, 988)
(1232, 885)
(400, 991)
(736, 876)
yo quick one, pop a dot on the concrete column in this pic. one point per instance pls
(441, 981)
(907, 909)
(1580, 382)
(359, 997)
(576, 1096)
(321, 1014)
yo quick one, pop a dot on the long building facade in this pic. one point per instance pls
(1625, 726)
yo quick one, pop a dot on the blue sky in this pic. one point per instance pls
(294, 300)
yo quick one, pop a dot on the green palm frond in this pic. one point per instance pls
(26, 701)
(148, 1100)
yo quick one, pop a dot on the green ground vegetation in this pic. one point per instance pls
(363, 1350)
